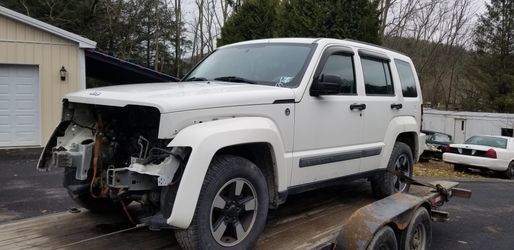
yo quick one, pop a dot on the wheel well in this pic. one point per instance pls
(409, 138)
(261, 154)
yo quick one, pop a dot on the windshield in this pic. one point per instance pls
(274, 64)
(487, 141)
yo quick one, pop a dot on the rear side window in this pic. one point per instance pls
(407, 79)
(377, 77)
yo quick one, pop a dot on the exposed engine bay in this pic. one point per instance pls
(112, 156)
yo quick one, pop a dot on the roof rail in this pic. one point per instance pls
(374, 45)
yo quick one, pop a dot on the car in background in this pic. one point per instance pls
(435, 145)
(483, 152)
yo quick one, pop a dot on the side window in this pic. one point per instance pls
(377, 76)
(406, 78)
(339, 69)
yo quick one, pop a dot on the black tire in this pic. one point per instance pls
(459, 167)
(224, 174)
(79, 192)
(509, 173)
(418, 235)
(424, 159)
(384, 239)
(385, 183)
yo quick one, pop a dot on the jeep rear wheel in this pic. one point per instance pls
(385, 183)
(232, 208)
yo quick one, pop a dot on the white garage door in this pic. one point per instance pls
(19, 106)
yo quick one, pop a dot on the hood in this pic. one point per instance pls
(182, 96)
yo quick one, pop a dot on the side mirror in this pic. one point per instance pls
(326, 85)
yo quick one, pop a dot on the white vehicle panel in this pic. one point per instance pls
(182, 96)
(484, 162)
(206, 139)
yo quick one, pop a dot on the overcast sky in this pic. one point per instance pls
(190, 10)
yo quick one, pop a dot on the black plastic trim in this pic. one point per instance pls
(283, 101)
(327, 183)
(373, 54)
(330, 158)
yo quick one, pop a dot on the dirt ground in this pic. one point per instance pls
(436, 168)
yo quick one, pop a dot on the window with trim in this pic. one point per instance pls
(407, 79)
(507, 132)
(377, 76)
(339, 69)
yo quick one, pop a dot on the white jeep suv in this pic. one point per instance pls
(251, 124)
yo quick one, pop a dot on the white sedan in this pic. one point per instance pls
(484, 152)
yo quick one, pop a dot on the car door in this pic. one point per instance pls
(328, 134)
(382, 104)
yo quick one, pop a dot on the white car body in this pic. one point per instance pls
(301, 130)
(503, 155)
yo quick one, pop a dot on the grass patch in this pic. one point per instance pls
(442, 169)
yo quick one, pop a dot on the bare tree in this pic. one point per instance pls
(178, 36)
(434, 34)
(204, 29)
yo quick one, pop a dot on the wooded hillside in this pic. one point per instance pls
(463, 52)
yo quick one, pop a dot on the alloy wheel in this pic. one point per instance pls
(233, 212)
(402, 165)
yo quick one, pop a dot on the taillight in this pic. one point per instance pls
(448, 149)
(491, 153)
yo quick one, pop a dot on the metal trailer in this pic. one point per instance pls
(341, 217)
(399, 221)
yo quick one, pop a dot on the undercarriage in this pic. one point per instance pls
(111, 157)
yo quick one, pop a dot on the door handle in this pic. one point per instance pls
(361, 106)
(396, 106)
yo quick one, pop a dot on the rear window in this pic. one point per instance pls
(407, 79)
(487, 141)
(442, 138)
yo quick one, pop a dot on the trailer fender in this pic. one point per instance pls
(205, 139)
(359, 229)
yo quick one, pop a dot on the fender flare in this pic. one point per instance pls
(205, 139)
(398, 125)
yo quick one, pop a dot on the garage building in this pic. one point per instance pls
(39, 63)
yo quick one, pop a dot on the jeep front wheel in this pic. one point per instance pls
(385, 183)
(232, 208)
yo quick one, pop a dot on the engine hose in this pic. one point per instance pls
(127, 212)
(96, 154)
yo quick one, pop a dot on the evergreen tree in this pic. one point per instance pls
(492, 69)
(355, 19)
(254, 19)
(140, 31)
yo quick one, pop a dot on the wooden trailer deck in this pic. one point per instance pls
(305, 221)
